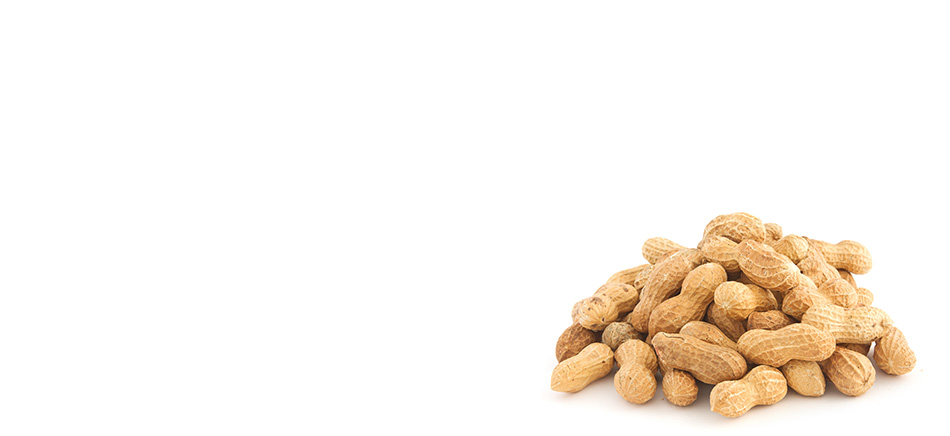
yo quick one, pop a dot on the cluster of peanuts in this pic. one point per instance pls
(787, 307)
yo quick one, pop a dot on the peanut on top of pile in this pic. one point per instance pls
(749, 310)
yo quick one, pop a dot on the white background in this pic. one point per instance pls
(342, 217)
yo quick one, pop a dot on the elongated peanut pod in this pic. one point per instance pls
(635, 380)
(573, 374)
(762, 386)
(655, 248)
(892, 354)
(777, 347)
(851, 372)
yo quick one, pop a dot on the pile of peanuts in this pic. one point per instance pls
(747, 297)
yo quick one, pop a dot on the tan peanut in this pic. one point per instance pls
(690, 305)
(892, 354)
(804, 377)
(738, 226)
(815, 267)
(802, 297)
(665, 279)
(655, 248)
(721, 250)
(605, 306)
(767, 268)
(858, 325)
(768, 320)
(847, 255)
(739, 300)
(679, 387)
(773, 232)
(777, 347)
(628, 276)
(847, 276)
(635, 380)
(575, 373)
(860, 348)
(707, 362)
(762, 386)
(794, 247)
(707, 332)
(865, 297)
(619, 332)
(851, 372)
(573, 340)
(732, 328)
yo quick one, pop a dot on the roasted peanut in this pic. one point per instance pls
(768, 320)
(619, 332)
(773, 232)
(690, 305)
(804, 377)
(794, 247)
(655, 248)
(815, 267)
(679, 387)
(865, 297)
(859, 325)
(707, 332)
(635, 380)
(605, 306)
(628, 276)
(892, 354)
(777, 347)
(733, 328)
(767, 268)
(665, 279)
(739, 300)
(851, 372)
(573, 340)
(847, 255)
(721, 250)
(575, 373)
(707, 362)
(738, 226)
(763, 385)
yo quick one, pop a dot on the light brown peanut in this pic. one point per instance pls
(802, 297)
(655, 248)
(860, 348)
(815, 267)
(733, 328)
(851, 372)
(738, 226)
(865, 297)
(605, 306)
(573, 340)
(721, 250)
(840, 292)
(619, 332)
(766, 267)
(762, 386)
(847, 255)
(575, 373)
(690, 305)
(847, 276)
(628, 276)
(739, 300)
(707, 362)
(804, 377)
(777, 347)
(665, 279)
(707, 332)
(635, 380)
(679, 387)
(859, 325)
(768, 320)
(794, 247)
(892, 354)
(773, 232)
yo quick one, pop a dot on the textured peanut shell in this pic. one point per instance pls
(859, 325)
(619, 332)
(768, 320)
(573, 340)
(804, 377)
(690, 305)
(605, 306)
(679, 387)
(707, 332)
(848, 276)
(655, 248)
(802, 297)
(865, 297)
(773, 232)
(762, 386)
(707, 362)
(721, 250)
(635, 380)
(767, 268)
(840, 292)
(665, 279)
(860, 348)
(816, 268)
(847, 255)
(738, 226)
(739, 300)
(794, 247)
(628, 276)
(777, 347)
(851, 372)
(892, 354)
(732, 328)
(573, 374)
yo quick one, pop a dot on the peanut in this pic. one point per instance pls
(851, 372)
(628, 276)
(721, 250)
(860, 348)
(865, 297)
(777, 347)
(738, 226)
(665, 279)
(762, 386)
(847, 276)
(679, 387)
(619, 332)
(892, 354)
(655, 248)
(767, 268)
(732, 328)
(840, 292)
(707, 332)
(739, 300)
(773, 232)
(804, 377)
(816, 268)
(847, 255)
(690, 305)
(768, 320)
(605, 306)
(573, 340)
(635, 380)
(575, 373)
(707, 362)
(794, 247)
(802, 297)
(859, 325)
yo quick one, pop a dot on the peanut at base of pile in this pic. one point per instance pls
(749, 311)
